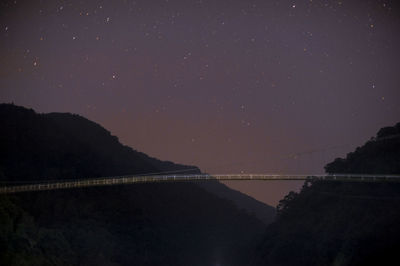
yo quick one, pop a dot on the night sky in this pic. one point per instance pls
(229, 86)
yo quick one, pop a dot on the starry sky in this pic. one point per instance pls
(230, 86)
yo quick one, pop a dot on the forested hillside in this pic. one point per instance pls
(144, 224)
(341, 223)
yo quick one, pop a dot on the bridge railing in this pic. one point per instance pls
(131, 179)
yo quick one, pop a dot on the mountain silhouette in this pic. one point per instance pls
(141, 224)
(341, 223)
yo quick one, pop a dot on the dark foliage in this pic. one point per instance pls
(146, 224)
(341, 223)
(379, 155)
(66, 146)
(58, 145)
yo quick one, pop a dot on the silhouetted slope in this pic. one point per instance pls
(147, 224)
(48, 146)
(341, 223)
(262, 211)
(92, 134)
(62, 145)
(143, 224)
(380, 155)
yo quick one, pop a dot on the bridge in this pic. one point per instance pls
(26, 186)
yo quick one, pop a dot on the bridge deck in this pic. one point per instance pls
(132, 179)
